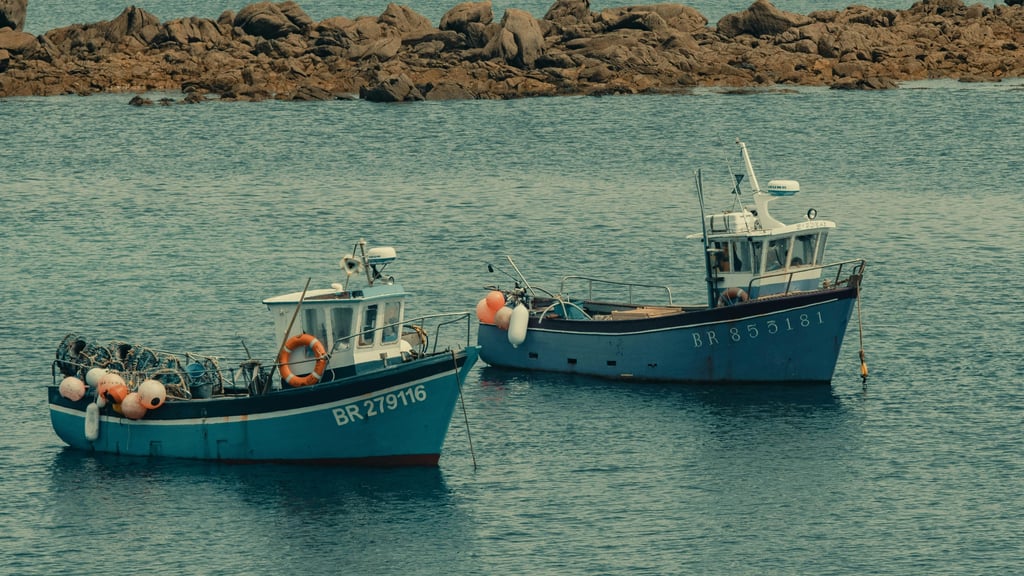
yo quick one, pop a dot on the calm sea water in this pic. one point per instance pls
(167, 226)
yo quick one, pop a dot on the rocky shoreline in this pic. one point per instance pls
(275, 50)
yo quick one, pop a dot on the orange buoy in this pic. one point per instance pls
(112, 387)
(483, 312)
(495, 300)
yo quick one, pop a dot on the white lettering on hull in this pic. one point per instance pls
(754, 330)
(378, 405)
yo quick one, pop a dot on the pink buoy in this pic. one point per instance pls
(72, 388)
(132, 406)
(502, 317)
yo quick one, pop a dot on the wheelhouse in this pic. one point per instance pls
(749, 250)
(764, 252)
(359, 329)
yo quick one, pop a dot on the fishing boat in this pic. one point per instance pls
(355, 382)
(776, 310)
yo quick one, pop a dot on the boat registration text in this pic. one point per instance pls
(379, 405)
(754, 330)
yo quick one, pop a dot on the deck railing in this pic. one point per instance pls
(630, 286)
(854, 267)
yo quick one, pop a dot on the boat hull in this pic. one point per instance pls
(394, 416)
(795, 338)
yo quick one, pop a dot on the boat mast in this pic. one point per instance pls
(749, 166)
(704, 236)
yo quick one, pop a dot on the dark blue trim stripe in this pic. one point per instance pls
(290, 398)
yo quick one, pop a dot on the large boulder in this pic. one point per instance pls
(677, 16)
(404, 21)
(571, 10)
(394, 89)
(384, 48)
(269, 20)
(17, 42)
(185, 31)
(520, 41)
(761, 19)
(12, 14)
(462, 15)
(132, 21)
(571, 19)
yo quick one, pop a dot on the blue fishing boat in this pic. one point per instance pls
(355, 382)
(776, 311)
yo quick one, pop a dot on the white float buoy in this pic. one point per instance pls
(517, 325)
(152, 393)
(93, 376)
(92, 422)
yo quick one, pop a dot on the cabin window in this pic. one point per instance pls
(392, 315)
(341, 323)
(820, 255)
(803, 250)
(722, 256)
(741, 261)
(313, 323)
(756, 250)
(778, 251)
(369, 323)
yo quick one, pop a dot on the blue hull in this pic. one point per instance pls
(794, 338)
(392, 416)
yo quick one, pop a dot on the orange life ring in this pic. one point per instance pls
(309, 341)
(732, 296)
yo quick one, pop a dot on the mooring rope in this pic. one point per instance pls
(860, 332)
(462, 401)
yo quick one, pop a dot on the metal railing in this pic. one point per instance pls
(454, 317)
(857, 270)
(629, 285)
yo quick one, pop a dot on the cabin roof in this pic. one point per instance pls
(331, 295)
(777, 231)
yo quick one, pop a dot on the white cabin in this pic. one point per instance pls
(359, 328)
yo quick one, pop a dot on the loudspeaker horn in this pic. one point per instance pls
(351, 265)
